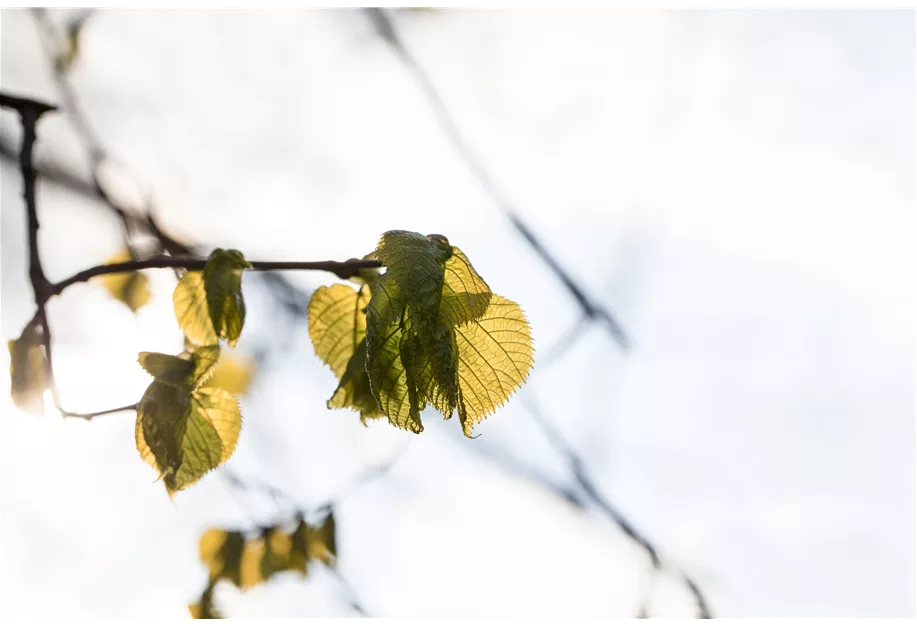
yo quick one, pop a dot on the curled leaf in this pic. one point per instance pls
(223, 286)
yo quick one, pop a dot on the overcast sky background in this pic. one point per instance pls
(739, 186)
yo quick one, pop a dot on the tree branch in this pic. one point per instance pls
(29, 112)
(90, 416)
(343, 269)
(594, 310)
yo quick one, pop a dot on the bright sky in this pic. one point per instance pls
(739, 186)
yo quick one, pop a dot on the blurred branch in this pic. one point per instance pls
(290, 297)
(581, 476)
(385, 28)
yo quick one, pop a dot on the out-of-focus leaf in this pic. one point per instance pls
(278, 546)
(28, 374)
(337, 328)
(184, 436)
(223, 286)
(205, 607)
(322, 545)
(191, 311)
(130, 288)
(233, 374)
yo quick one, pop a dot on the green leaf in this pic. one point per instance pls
(28, 371)
(221, 551)
(337, 328)
(495, 357)
(436, 335)
(189, 370)
(184, 436)
(191, 310)
(223, 284)
(130, 288)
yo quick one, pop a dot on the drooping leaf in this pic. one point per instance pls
(223, 285)
(28, 373)
(184, 436)
(191, 310)
(130, 288)
(337, 323)
(233, 374)
(495, 357)
(429, 317)
(188, 371)
(337, 328)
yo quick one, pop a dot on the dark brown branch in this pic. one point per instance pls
(343, 269)
(91, 415)
(29, 112)
(591, 308)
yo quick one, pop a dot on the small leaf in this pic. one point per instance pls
(232, 374)
(223, 286)
(130, 288)
(191, 310)
(250, 568)
(187, 371)
(186, 436)
(28, 371)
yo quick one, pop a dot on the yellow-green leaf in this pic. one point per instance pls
(189, 370)
(130, 288)
(28, 373)
(495, 357)
(233, 374)
(337, 323)
(185, 436)
(223, 286)
(436, 335)
(337, 328)
(191, 311)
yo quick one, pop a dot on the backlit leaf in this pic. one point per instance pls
(337, 328)
(189, 370)
(28, 374)
(130, 288)
(495, 358)
(190, 302)
(436, 335)
(185, 436)
(223, 286)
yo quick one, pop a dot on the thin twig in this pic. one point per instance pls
(582, 478)
(385, 28)
(91, 415)
(343, 269)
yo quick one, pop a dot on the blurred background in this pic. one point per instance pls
(708, 217)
